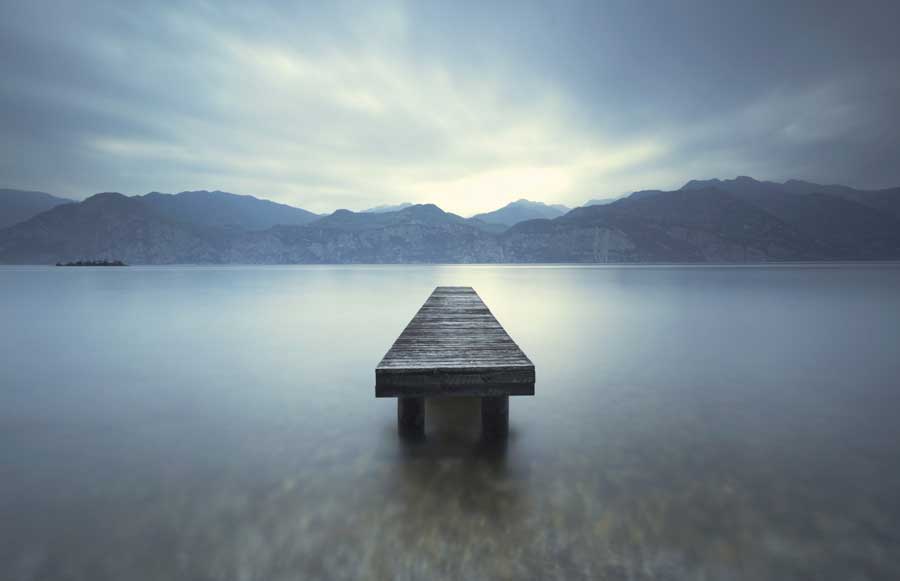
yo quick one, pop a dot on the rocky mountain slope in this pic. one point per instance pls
(109, 226)
(721, 221)
(704, 225)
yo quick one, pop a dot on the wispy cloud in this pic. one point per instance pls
(354, 105)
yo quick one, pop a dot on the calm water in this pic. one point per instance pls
(220, 423)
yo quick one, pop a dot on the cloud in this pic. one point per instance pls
(465, 105)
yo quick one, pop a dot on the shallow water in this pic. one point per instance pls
(220, 423)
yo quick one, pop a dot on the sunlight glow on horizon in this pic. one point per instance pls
(478, 152)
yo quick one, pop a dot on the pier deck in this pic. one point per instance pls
(454, 346)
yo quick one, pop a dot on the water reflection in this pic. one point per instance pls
(220, 424)
(472, 463)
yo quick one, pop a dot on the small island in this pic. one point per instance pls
(93, 263)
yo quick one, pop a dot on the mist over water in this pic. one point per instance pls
(220, 423)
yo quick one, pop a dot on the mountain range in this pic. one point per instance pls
(737, 220)
(388, 208)
(602, 201)
(522, 210)
(217, 208)
(19, 205)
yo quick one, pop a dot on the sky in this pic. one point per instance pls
(467, 105)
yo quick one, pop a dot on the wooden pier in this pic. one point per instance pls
(454, 347)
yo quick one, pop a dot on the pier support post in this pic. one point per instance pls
(411, 415)
(495, 416)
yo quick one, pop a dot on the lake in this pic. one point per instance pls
(220, 423)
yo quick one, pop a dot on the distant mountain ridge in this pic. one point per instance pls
(204, 208)
(388, 208)
(740, 220)
(755, 190)
(20, 205)
(603, 201)
(703, 225)
(521, 210)
(109, 226)
(412, 214)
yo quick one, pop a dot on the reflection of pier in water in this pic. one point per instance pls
(454, 475)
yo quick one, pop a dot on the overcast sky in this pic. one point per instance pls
(469, 106)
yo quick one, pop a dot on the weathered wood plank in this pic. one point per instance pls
(454, 346)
